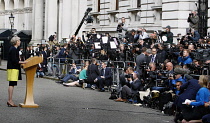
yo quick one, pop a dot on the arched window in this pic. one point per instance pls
(30, 3)
(11, 4)
(2, 5)
(21, 4)
(117, 4)
(99, 5)
(138, 3)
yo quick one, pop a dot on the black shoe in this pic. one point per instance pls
(102, 90)
(59, 82)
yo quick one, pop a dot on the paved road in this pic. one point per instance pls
(60, 104)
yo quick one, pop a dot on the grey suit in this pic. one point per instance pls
(140, 59)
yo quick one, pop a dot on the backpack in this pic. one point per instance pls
(113, 94)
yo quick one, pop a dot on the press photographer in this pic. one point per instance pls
(168, 34)
(143, 34)
(185, 59)
(122, 28)
(193, 20)
(151, 75)
(193, 36)
(178, 76)
(128, 92)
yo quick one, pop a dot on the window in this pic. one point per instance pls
(99, 5)
(117, 4)
(138, 3)
(137, 16)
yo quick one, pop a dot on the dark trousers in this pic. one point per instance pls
(195, 113)
(206, 118)
(101, 83)
(126, 92)
(70, 76)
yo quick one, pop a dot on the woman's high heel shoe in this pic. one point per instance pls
(10, 105)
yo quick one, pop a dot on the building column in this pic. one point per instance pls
(66, 21)
(175, 15)
(51, 20)
(27, 19)
(60, 18)
(37, 20)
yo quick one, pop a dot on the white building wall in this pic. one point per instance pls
(64, 16)
(152, 15)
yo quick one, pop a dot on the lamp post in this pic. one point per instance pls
(11, 20)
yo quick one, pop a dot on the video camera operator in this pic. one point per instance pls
(193, 20)
(75, 50)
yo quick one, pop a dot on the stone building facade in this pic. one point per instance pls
(149, 14)
(44, 17)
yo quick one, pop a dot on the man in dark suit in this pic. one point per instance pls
(92, 72)
(29, 52)
(45, 56)
(134, 84)
(63, 53)
(155, 57)
(105, 77)
(140, 59)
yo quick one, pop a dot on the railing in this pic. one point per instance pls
(59, 67)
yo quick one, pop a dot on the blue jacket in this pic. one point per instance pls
(173, 83)
(201, 97)
(196, 37)
(62, 55)
(184, 60)
(189, 90)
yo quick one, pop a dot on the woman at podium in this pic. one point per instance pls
(13, 68)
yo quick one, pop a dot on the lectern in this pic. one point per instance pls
(30, 69)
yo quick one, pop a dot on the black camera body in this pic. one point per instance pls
(190, 14)
(119, 27)
(129, 76)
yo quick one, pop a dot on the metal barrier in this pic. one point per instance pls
(56, 65)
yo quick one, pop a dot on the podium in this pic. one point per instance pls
(30, 69)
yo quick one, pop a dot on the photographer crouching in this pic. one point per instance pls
(129, 90)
